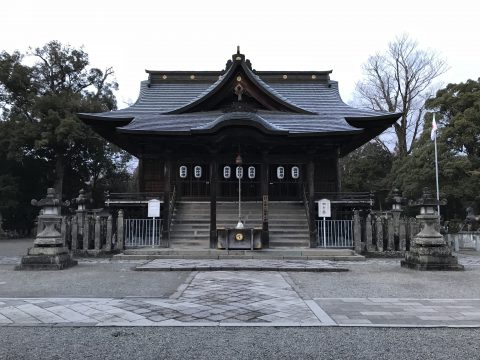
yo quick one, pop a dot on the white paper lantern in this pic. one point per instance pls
(280, 172)
(183, 171)
(197, 172)
(227, 172)
(295, 172)
(239, 171)
(251, 172)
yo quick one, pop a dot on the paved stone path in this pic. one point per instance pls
(225, 298)
(240, 265)
(409, 312)
(220, 298)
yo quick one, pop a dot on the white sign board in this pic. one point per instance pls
(154, 208)
(324, 209)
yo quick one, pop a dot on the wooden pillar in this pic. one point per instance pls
(265, 179)
(339, 172)
(311, 203)
(213, 200)
(167, 173)
(140, 185)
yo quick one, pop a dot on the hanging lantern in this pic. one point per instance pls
(197, 172)
(239, 171)
(280, 172)
(295, 172)
(183, 171)
(227, 172)
(251, 172)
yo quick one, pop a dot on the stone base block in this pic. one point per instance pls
(453, 266)
(47, 250)
(46, 262)
(432, 258)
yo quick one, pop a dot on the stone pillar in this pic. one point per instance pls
(97, 239)
(108, 241)
(379, 233)
(369, 234)
(86, 233)
(120, 237)
(402, 235)
(48, 251)
(213, 201)
(63, 231)
(311, 204)
(74, 233)
(391, 234)
(357, 232)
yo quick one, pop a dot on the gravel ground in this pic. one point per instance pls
(238, 343)
(89, 279)
(390, 280)
(15, 247)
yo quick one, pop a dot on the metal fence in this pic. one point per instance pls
(142, 232)
(335, 233)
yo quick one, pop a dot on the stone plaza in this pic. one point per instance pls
(285, 296)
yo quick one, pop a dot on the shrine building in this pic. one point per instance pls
(240, 145)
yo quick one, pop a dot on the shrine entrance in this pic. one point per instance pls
(286, 182)
(250, 181)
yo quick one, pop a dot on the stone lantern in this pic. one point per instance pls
(428, 250)
(48, 251)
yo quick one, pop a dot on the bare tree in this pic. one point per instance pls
(400, 80)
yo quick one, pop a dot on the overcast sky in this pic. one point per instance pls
(135, 35)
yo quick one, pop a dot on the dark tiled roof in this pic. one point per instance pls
(266, 120)
(159, 108)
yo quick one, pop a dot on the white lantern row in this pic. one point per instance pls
(227, 172)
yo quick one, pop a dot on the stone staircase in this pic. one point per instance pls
(191, 225)
(288, 225)
(227, 214)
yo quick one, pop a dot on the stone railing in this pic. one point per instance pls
(381, 232)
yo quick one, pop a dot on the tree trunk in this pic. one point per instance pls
(59, 173)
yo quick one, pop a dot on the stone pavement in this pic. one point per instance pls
(240, 265)
(238, 298)
(220, 298)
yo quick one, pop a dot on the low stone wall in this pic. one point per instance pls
(464, 240)
(386, 234)
(91, 234)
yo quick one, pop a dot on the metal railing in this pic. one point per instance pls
(131, 198)
(366, 198)
(142, 232)
(335, 233)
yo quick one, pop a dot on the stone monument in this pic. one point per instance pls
(428, 250)
(48, 251)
